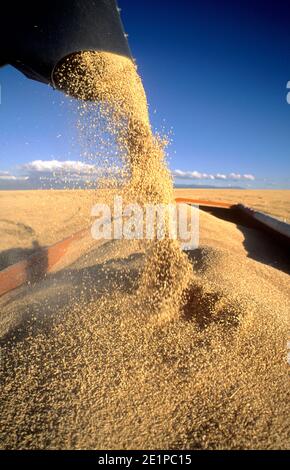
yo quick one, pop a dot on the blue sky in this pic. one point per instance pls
(214, 71)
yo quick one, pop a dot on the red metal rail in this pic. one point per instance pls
(202, 202)
(36, 265)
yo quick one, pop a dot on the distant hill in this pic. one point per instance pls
(35, 183)
(205, 186)
(32, 184)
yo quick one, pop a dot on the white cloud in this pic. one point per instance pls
(196, 175)
(6, 176)
(220, 176)
(57, 166)
(78, 170)
(179, 173)
(235, 176)
(249, 177)
(56, 172)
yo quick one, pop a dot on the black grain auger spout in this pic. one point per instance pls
(36, 36)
